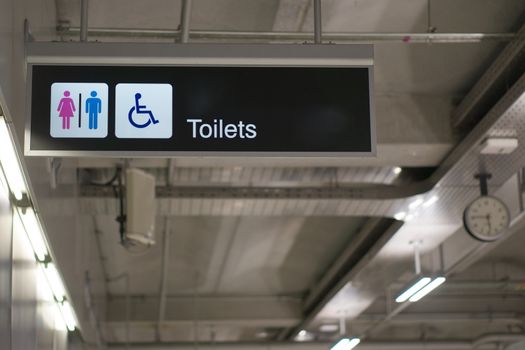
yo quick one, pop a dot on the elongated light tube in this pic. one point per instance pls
(346, 344)
(54, 281)
(34, 233)
(416, 287)
(430, 201)
(415, 204)
(60, 324)
(427, 289)
(15, 180)
(43, 287)
(67, 315)
(10, 164)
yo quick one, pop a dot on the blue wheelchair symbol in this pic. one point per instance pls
(140, 109)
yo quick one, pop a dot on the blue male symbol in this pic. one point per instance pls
(93, 108)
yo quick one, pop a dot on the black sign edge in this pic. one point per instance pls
(159, 154)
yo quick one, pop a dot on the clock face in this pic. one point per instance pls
(486, 218)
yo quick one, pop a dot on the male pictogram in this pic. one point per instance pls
(93, 108)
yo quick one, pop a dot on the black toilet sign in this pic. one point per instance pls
(117, 110)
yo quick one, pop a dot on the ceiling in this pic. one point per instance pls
(237, 268)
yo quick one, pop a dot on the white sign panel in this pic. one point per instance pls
(79, 110)
(143, 111)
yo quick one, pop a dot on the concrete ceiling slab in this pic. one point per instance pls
(164, 14)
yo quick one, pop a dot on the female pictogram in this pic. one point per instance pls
(66, 110)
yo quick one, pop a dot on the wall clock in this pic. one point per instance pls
(487, 218)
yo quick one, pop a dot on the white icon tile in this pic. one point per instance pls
(79, 110)
(143, 111)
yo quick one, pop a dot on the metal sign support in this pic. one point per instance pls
(84, 20)
(318, 27)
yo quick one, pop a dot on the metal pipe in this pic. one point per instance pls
(497, 338)
(84, 20)
(390, 345)
(405, 38)
(342, 326)
(185, 17)
(417, 257)
(164, 276)
(318, 25)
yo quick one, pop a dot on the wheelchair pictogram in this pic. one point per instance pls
(141, 109)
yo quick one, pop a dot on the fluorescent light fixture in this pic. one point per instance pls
(67, 315)
(44, 291)
(430, 201)
(346, 344)
(353, 343)
(400, 216)
(397, 170)
(422, 282)
(4, 188)
(409, 217)
(427, 289)
(60, 324)
(34, 233)
(54, 281)
(415, 203)
(10, 163)
(304, 335)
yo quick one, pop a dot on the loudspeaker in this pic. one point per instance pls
(140, 207)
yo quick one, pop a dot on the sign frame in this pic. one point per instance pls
(198, 55)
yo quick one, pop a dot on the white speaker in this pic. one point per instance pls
(140, 207)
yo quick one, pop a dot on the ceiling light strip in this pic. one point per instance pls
(10, 164)
(346, 344)
(427, 289)
(14, 177)
(416, 287)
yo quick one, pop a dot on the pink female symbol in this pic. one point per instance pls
(66, 110)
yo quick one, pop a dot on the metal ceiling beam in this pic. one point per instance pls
(503, 72)
(299, 37)
(245, 311)
(374, 234)
(390, 345)
(230, 192)
(445, 317)
(370, 240)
